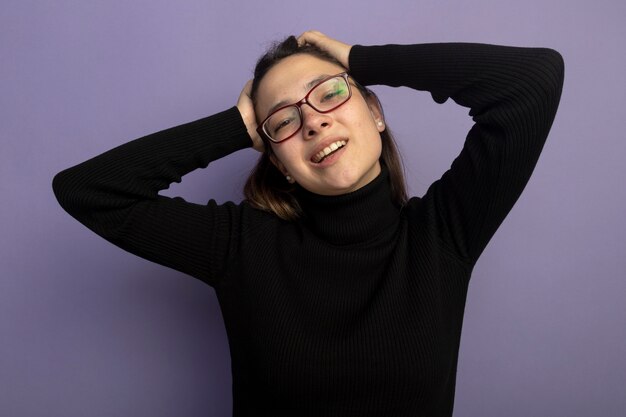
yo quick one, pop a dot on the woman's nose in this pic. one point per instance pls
(313, 121)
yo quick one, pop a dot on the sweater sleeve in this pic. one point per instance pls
(115, 194)
(513, 94)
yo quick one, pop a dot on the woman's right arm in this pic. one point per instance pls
(116, 195)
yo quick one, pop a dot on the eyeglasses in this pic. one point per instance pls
(324, 97)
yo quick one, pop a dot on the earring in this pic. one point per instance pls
(380, 123)
(289, 179)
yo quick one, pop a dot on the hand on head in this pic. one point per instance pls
(339, 50)
(246, 108)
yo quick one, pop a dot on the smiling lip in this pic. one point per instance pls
(324, 144)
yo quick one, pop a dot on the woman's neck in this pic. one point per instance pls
(356, 217)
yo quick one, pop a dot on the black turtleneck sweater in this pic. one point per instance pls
(356, 309)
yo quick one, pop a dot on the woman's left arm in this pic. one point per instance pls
(513, 94)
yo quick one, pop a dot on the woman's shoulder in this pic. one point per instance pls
(247, 216)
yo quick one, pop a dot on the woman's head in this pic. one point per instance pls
(355, 131)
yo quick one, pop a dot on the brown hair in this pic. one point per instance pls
(266, 187)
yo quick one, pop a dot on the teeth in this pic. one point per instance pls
(328, 150)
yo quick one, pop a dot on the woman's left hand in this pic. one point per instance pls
(339, 50)
(246, 109)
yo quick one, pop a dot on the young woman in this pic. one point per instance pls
(341, 296)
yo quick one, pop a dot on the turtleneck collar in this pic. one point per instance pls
(350, 218)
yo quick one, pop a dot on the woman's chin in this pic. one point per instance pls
(344, 183)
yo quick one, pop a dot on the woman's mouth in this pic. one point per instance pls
(329, 150)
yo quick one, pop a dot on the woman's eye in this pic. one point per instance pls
(330, 95)
(334, 93)
(282, 124)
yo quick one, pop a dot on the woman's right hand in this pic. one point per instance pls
(339, 50)
(246, 108)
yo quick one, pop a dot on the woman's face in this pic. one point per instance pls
(356, 122)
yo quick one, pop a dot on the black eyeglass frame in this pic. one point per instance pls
(261, 128)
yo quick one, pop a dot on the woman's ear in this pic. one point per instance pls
(277, 163)
(281, 168)
(376, 111)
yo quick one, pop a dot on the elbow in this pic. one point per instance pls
(59, 188)
(547, 84)
(553, 65)
(89, 202)
(66, 189)
(557, 61)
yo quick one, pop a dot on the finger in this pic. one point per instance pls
(248, 88)
(302, 38)
(310, 36)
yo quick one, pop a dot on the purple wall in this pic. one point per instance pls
(90, 330)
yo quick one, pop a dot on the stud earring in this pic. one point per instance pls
(380, 123)
(289, 179)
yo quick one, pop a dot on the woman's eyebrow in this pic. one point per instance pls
(315, 80)
(306, 87)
